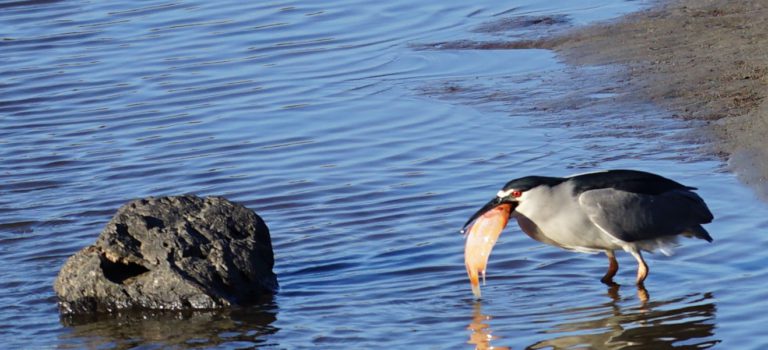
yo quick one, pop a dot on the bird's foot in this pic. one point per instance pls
(608, 281)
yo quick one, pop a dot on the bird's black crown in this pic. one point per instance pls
(529, 182)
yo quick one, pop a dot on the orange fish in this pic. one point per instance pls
(482, 235)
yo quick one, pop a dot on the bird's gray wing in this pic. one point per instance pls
(633, 217)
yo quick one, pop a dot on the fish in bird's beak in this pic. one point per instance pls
(482, 230)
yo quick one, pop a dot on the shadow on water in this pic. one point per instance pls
(681, 323)
(244, 327)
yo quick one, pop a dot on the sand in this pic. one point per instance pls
(701, 59)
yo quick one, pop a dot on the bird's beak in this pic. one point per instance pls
(486, 208)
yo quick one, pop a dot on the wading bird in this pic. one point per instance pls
(603, 211)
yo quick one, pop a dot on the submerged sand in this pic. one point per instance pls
(701, 59)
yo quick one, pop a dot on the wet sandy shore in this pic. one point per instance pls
(705, 60)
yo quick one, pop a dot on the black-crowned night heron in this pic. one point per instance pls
(603, 211)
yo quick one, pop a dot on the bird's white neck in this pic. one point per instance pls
(545, 201)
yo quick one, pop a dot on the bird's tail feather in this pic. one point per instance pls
(698, 232)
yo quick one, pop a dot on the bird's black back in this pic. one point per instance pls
(626, 180)
(634, 205)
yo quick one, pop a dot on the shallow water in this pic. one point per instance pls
(365, 155)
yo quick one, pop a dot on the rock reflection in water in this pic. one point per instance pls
(247, 327)
(683, 323)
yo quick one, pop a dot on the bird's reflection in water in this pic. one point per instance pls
(171, 329)
(687, 322)
(480, 335)
(642, 294)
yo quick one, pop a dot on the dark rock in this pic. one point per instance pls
(171, 253)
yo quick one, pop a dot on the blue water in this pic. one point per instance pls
(364, 153)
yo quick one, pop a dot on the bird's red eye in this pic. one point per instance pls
(516, 194)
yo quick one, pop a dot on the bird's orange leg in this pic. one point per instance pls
(613, 267)
(642, 267)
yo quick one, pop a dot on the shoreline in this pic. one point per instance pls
(700, 60)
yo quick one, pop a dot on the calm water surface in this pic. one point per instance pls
(365, 155)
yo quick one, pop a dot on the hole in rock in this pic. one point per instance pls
(118, 272)
(153, 222)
